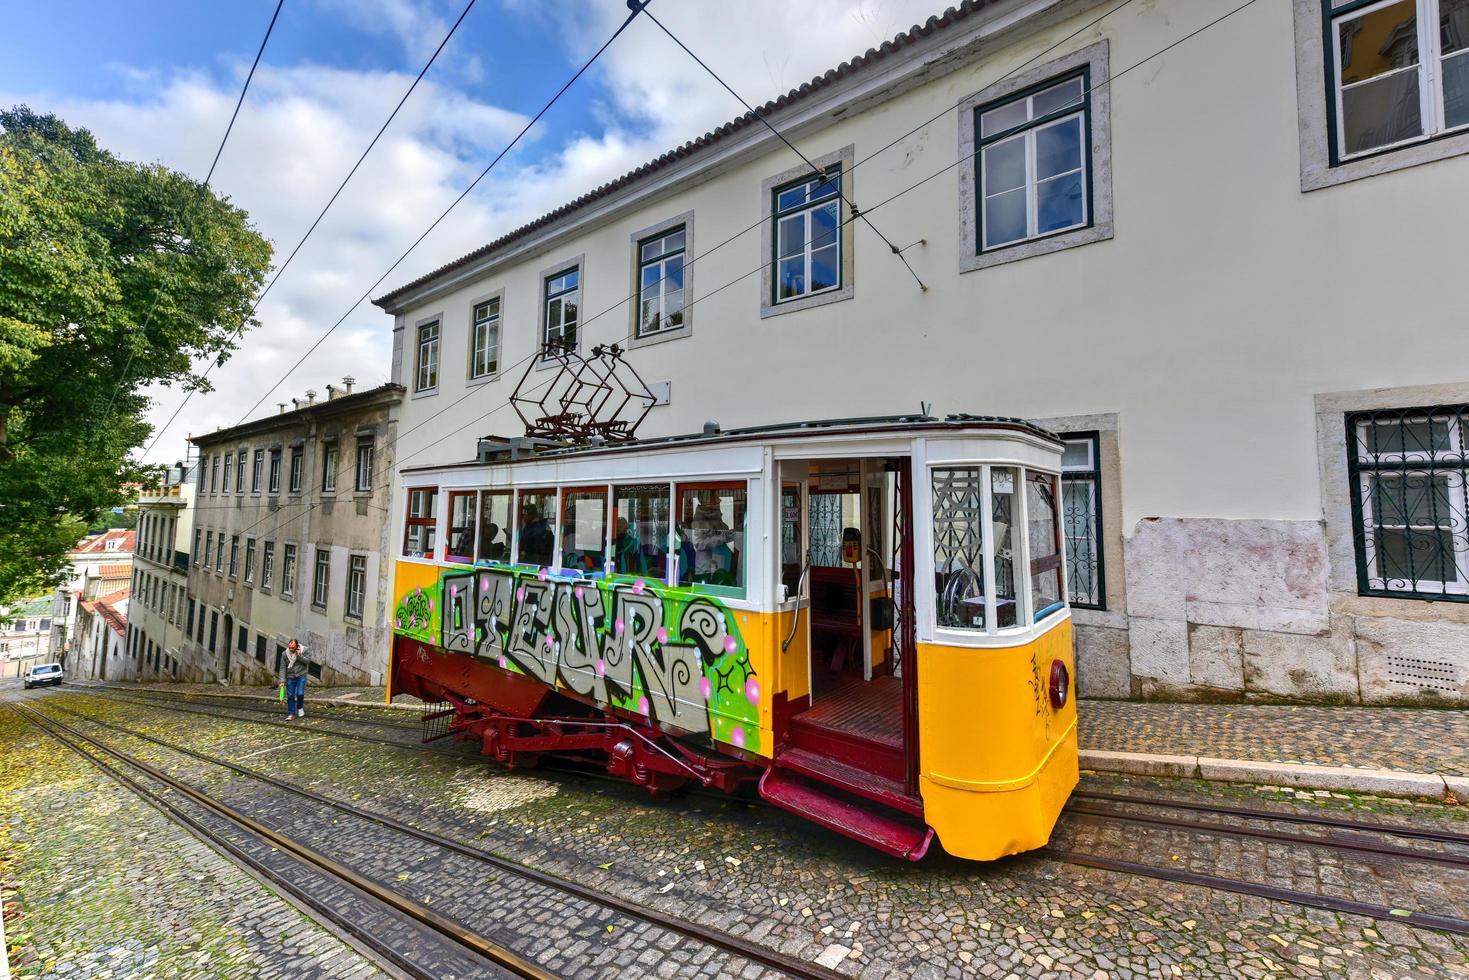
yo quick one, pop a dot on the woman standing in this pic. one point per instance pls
(293, 679)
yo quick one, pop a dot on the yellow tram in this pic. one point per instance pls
(865, 618)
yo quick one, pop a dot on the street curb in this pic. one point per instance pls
(1348, 779)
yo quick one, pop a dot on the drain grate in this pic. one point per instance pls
(1439, 675)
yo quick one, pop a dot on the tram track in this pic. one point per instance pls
(404, 950)
(1079, 808)
(728, 943)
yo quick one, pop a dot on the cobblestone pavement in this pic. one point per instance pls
(774, 878)
(1411, 739)
(106, 886)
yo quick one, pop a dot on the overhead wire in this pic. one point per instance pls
(280, 271)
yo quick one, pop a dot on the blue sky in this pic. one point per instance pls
(156, 80)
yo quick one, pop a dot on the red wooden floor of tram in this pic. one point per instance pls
(868, 710)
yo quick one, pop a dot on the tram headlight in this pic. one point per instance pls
(1060, 686)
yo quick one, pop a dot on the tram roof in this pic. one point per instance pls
(525, 450)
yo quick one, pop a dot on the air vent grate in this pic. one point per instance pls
(1416, 672)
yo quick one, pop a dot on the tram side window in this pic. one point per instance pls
(418, 537)
(958, 547)
(537, 537)
(640, 529)
(461, 527)
(584, 530)
(1043, 534)
(494, 525)
(1006, 509)
(711, 537)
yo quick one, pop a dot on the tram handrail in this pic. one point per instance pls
(796, 619)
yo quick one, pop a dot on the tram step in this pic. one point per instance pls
(852, 779)
(890, 833)
(853, 749)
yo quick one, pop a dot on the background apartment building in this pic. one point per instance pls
(100, 565)
(1121, 235)
(155, 620)
(25, 640)
(290, 513)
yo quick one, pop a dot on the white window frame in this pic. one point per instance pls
(249, 561)
(803, 213)
(660, 262)
(298, 467)
(426, 355)
(551, 293)
(366, 449)
(257, 470)
(1027, 135)
(321, 575)
(267, 564)
(356, 585)
(1431, 103)
(329, 455)
(484, 352)
(1368, 473)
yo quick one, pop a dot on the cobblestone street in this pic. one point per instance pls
(106, 884)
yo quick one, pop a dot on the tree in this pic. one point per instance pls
(113, 276)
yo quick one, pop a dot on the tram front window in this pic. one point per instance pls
(711, 536)
(537, 539)
(640, 529)
(958, 547)
(1002, 492)
(584, 530)
(1043, 535)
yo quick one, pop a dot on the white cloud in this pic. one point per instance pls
(303, 126)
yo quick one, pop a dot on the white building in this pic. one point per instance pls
(25, 638)
(100, 564)
(97, 649)
(160, 577)
(1161, 252)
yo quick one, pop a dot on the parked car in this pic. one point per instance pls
(43, 674)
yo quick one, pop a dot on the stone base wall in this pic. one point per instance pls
(1229, 610)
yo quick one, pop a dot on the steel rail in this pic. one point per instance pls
(1278, 836)
(424, 917)
(1349, 906)
(264, 706)
(744, 948)
(1256, 813)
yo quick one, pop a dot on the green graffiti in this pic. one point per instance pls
(674, 656)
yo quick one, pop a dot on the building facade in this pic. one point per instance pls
(1120, 236)
(25, 640)
(97, 649)
(160, 584)
(100, 564)
(288, 538)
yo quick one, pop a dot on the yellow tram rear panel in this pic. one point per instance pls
(997, 760)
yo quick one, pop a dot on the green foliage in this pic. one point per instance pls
(92, 248)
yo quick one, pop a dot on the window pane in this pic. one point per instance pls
(1420, 436)
(494, 527)
(1004, 165)
(1066, 95)
(792, 238)
(1415, 559)
(1083, 554)
(584, 530)
(1058, 148)
(1381, 112)
(1060, 203)
(673, 306)
(651, 250)
(1417, 499)
(651, 275)
(461, 527)
(1045, 557)
(1004, 218)
(1005, 117)
(1077, 455)
(674, 242)
(958, 548)
(792, 277)
(1002, 495)
(673, 273)
(824, 224)
(711, 536)
(1456, 88)
(791, 198)
(537, 539)
(1378, 42)
(824, 271)
(640, 530)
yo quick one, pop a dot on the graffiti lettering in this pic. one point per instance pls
(614, 642)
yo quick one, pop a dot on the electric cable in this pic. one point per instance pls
(322, 214)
